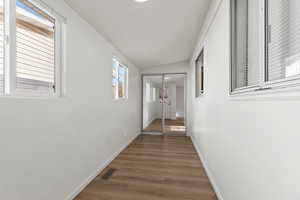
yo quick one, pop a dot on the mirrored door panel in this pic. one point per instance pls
(174, 104)
(152, 103)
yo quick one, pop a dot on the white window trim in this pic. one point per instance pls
(289, 84)
(10, 53)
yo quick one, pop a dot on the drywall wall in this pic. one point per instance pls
(180, 67)
(249, 144)
(50, 147)
(152, 109)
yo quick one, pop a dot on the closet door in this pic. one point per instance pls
(152, 104)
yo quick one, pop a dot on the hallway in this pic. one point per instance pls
(149, 99)
(153, 167)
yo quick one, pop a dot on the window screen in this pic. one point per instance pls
(35, 44)
(283, 39)
(245, 43)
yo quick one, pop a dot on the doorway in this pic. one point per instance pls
(164, 104)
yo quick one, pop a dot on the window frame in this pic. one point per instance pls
(201, 68)
(10, 42)
(264, 84)
(116, 98)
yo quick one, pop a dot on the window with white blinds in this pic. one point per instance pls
(245, 34)
(35, 46)
(31, 56)
(284, 39)
(265, 44)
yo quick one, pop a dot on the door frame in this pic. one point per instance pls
(163, 106)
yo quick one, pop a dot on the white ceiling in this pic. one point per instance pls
(150, 34)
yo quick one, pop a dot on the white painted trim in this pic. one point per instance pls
(10, 47)
(87, 181)
(208, 172)
(50, 10)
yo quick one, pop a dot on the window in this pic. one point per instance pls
(283, 47)
(32, 45)
(199, 74)
(119, 80)
(265, 48)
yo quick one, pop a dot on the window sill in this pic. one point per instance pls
(32, 96)
(276, 93)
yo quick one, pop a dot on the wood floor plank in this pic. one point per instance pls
(153, 168)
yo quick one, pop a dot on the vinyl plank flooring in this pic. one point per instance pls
(153, 168)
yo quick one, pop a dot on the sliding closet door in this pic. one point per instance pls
(174, 110)
(152, 103)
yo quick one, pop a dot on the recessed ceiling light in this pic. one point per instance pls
(141, 1)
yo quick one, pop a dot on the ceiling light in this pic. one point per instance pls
(141, 1)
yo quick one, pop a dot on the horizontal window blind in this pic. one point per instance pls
(245, 43)
(1, 48)
(241, 43)
(35, 45)
(284, 39)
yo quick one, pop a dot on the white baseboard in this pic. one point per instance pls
(208, 172)
(98, 171)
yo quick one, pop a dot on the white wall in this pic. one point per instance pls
(250, 144)
(49, 147)
(152, 109)
(180, 67)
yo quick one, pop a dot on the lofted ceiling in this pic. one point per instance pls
(153, 33)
